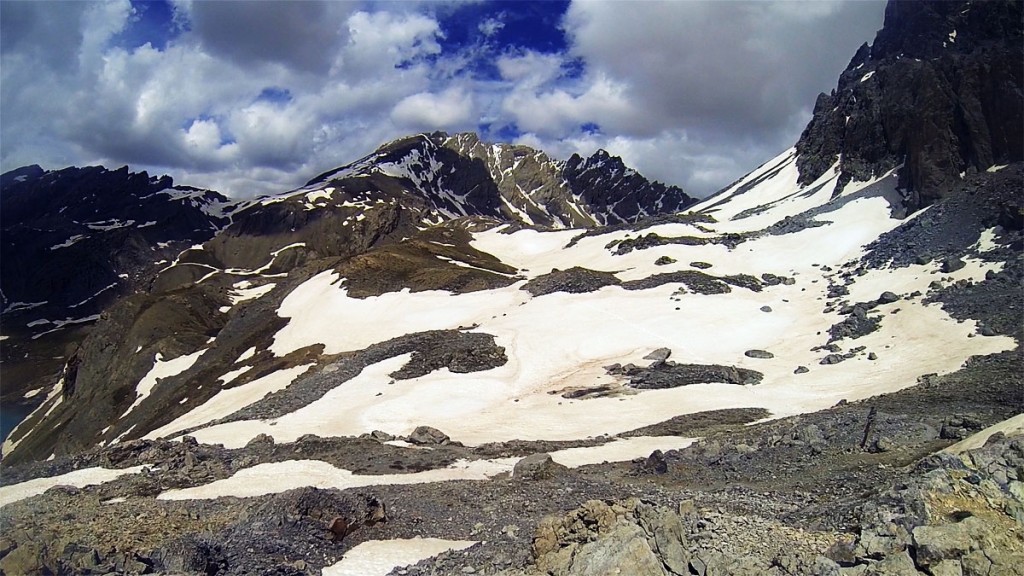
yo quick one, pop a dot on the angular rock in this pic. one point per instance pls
(537, 467)
(952, 265)
(659, 355)
(888, 298)
(426, 435)
(664, 260)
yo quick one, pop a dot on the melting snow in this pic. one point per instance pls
(161, 369)
(59, 324)
(105, 225)
(243, 294)
(69, 242)
(78, 479)
(560, 340)
(230, 376)
(279, 477)
(380, 557)
(986, 242)
(865, 77)
(226, 402)
(16, 306)
(1010, 427)
(619, 450)
(246, 355)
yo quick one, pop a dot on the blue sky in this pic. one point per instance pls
(256, 97)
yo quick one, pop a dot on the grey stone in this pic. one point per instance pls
(899, 564)
(537, 467)
(944, 542)
(758, 354)
(426, 435)
(832, 359)
(623, 551)
(666, 529)
(659, 355)
(887, 298)
(952, 264)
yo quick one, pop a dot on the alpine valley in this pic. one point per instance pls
(458, 357)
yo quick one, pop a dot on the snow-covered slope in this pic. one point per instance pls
(767, 278)
(560, 342)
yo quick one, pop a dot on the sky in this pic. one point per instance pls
(252, 98)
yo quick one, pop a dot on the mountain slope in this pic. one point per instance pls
(162, 247)
(74, 242)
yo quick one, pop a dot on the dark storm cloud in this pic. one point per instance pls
(302, 35)
(48, 31)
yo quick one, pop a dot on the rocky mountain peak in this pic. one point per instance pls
(462, 175)
(935, 97)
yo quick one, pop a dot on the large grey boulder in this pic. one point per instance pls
(537, 467)
(426, 435)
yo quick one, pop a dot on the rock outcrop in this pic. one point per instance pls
(937, 95)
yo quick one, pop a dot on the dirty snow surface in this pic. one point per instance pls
(561, 342)
(78, 479)
(379, 557)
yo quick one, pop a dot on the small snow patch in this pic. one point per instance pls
(78, 479)
(380, 557)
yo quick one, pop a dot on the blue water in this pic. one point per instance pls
(10, 416)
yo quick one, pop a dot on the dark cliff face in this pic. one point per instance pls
(78, 237)
(938, 95)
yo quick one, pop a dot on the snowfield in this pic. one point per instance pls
(559, 341)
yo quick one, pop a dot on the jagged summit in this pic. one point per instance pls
(462, 175)
(938, 95)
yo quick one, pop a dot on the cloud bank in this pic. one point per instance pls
(256, 97)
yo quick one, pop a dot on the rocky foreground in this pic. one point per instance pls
(874, 487)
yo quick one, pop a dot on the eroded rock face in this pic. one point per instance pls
(937, 94)
(630, 537)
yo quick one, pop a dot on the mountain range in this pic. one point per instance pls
(485, 360)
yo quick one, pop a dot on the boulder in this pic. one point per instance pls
(426, 436)
(260, 440)
(653, 464)
(537, 467)
(664, 260)
(605, 538)
(887, 298)
(758, 354)
(659, 355)
(952, 264)
(832, 359)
